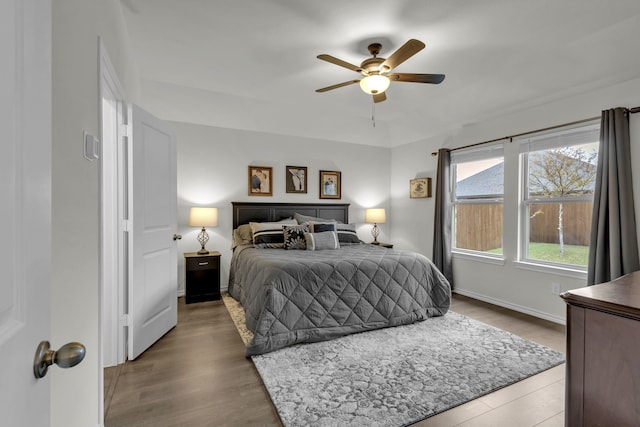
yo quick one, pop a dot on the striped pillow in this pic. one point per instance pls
(347, 233)
(268, 234)
(320, 241)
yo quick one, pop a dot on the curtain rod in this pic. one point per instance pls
(510, 138)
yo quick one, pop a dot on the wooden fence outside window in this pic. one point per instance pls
(479, 227)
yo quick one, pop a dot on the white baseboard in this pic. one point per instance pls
(511, 306)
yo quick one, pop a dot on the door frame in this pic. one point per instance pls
(113, 196)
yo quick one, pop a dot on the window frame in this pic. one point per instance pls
(543, 141)
(487, 152)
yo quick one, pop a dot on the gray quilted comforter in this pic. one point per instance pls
(295, 296)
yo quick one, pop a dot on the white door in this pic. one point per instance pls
(153, 280)
(25, 211)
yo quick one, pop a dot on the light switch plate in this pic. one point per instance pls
(91, 147)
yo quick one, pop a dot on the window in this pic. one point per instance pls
(477, 199)
(558, 175)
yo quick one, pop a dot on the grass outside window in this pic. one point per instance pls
(550, 252)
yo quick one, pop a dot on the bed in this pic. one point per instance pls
(297, 296)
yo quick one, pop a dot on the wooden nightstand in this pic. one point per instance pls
(384, 245)
(202, 277)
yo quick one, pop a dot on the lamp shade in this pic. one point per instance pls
(375, 216)
(374, 84)
(203, 217)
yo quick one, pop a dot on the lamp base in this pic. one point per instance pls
(203, 238)
(375, 232)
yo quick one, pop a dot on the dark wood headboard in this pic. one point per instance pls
(245, 212)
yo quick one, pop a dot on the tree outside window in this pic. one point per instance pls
(562, 173)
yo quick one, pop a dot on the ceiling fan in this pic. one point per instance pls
(377, 71)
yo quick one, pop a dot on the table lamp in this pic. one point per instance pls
(203, 217)
(375, 217)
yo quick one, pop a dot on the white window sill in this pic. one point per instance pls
(525, 265)
(478, 256)
(552, 269)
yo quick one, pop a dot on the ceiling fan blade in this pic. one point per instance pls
(340, 62)
(417, 78)
(379, 97)
(403, 53)
(350, 82)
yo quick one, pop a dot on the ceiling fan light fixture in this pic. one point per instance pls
(375, 72)
(374, 84)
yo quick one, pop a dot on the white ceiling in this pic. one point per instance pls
(251, 64)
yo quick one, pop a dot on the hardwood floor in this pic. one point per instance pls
(197, 375)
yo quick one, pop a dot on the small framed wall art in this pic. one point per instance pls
(330, 185)
(260, 181)
(420, 188)
(296, 179)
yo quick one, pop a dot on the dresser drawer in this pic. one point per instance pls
(202, 263)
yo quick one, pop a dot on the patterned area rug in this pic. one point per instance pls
(237, 315)
(397, 376)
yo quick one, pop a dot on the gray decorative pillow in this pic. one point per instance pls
(320, 241)
(347, 233)
(294, 236)
(305, 218)
(288, 221)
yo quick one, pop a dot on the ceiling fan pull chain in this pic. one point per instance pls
(373, 113)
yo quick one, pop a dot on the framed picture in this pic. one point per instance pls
(330, 185)
(260, 181)
(420, 188)
(296, 177)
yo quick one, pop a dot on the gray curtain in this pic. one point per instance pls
(442, 223)
(613, 250)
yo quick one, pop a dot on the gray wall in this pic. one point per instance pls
(212, 171)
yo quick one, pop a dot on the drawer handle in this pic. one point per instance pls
(204, 263)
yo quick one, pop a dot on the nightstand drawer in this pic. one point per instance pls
(202, 263)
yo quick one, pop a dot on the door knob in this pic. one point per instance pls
(177, 237)
(68, 356)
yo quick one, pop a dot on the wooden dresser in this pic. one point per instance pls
(603, 354)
